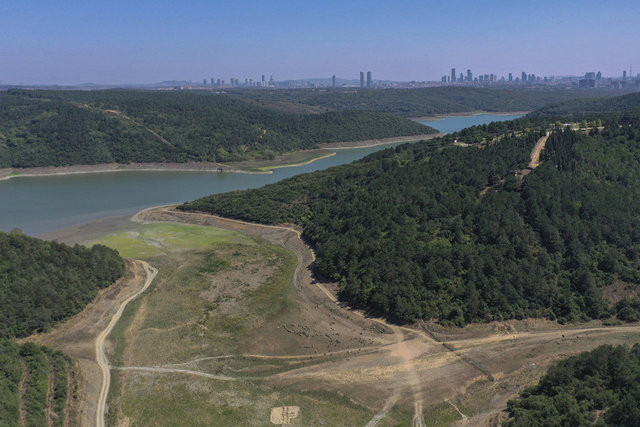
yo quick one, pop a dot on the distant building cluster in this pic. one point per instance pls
(590, 79)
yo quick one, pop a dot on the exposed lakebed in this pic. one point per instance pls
(41, 204)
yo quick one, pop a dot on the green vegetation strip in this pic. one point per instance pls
(35, 366)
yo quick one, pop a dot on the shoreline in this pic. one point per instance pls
(464, 114)
(375, 142)
(42, 171)
(293, 165)
(8, 173)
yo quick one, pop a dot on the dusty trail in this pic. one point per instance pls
(464, 417)
(175, 370)
(101, 358)
(537, 150)
(390, 403)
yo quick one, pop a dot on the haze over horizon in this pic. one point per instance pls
(117, 42)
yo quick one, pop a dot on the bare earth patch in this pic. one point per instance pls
(284, 414)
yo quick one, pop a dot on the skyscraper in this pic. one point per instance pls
(204, 82)
(453, 75)
(469, 76)
(624, 75)
(368, 78)
(361, 78)
(510, 77)
(524, 77)
(333, 81)
(461, 79)
(212, 82)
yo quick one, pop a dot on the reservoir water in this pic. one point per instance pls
(41, 204)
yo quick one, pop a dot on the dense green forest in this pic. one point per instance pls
(43, 282)
(46, 387)
(44, 128)
(432, 230)
(602, 385)
(580, 107)
(425, 101)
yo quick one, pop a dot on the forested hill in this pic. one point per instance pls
(54, 128)
(42, 282)
(421, 231)
(426, 101)
(576, 107)
(601, 385)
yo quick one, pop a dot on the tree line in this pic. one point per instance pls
(56, 128)
(44, 282)
(605, 380)
(425, 101)
(434, 231)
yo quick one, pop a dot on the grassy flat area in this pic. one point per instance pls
(217, 293)
(153, 240)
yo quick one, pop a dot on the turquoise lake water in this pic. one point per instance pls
(42, 204)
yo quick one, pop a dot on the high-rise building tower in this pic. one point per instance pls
(333, 81)
(510, 77)
(524, 77)
(368, 78)
(361, 78)
(624, 75)
(212, 82)
(461, 78)
(453, 75)
(598, 75)
(469, 76)
(204, 82)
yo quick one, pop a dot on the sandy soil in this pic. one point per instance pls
(376, 142)
(77, 336)
(473, 113)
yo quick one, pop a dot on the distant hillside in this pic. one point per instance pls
(599, 387)
(616, 104)
(43, 128)
(425, 101)
(43, 283)
(433, 230)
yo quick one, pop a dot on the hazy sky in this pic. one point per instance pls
(70, 42)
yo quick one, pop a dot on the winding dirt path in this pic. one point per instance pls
(101, 358)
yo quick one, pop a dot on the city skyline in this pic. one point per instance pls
(144, 42)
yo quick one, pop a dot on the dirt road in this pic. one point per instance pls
(77, 336)
(101, 358)
(537, 150)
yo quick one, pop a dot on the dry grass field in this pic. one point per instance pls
(234, 330)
